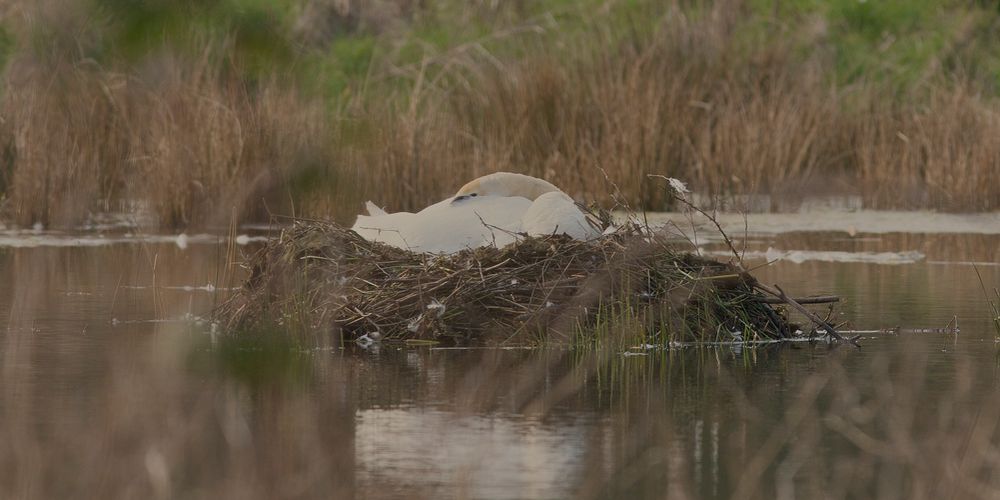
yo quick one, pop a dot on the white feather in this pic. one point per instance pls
(374, 209)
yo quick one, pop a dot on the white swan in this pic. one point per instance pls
(491, 210)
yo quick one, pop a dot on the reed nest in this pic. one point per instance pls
(320, 277)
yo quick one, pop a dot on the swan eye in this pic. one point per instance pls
(474, 195)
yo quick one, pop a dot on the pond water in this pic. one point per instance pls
(113, 385)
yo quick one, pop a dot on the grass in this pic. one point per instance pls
(257, 359)
(308, 108)
(993, 306)
(81, 138)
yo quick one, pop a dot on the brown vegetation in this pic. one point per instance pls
(198, 142)
(691, 103)
(189, 142)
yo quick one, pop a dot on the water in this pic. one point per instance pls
(111, 386)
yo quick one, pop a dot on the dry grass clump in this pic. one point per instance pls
(64, 150)
(182, 133)
(945, 154)
(188, 141)
(701, 92)
(685, 100)
(318, 276)
(214, 145)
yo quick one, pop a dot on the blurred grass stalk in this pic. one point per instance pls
(194, 110)
(994, 307)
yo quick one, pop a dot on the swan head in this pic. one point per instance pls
(505, 184)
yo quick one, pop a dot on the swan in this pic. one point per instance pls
(493, 210)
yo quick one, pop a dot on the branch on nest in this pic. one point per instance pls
(830, 330)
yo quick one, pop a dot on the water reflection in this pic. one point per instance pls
(430, 451)
(98, 395)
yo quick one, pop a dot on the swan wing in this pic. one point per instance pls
(447, 226)
(385, 228)
(557, 213)
(374, 209)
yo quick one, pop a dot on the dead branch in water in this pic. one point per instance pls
(776, 291)
(830, 330)
(817, 299)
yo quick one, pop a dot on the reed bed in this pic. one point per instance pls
(320, 277)
(700, 92)
(189, 144)
(691, 100)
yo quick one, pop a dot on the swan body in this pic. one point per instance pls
(492, 210)
(557, 213)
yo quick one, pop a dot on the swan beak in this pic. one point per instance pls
(459, 198)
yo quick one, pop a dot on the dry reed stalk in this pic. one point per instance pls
(190, 143)
(945, 155)
(65, 140)
(690, 96)
(688, 100)
(211, 144)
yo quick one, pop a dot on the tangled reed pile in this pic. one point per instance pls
(320, 277)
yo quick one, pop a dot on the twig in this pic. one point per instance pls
(830, 330)
(776, 291)
(819, 299)
(996, 310)
(729, 242)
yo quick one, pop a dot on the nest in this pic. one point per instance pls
(320, 277)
